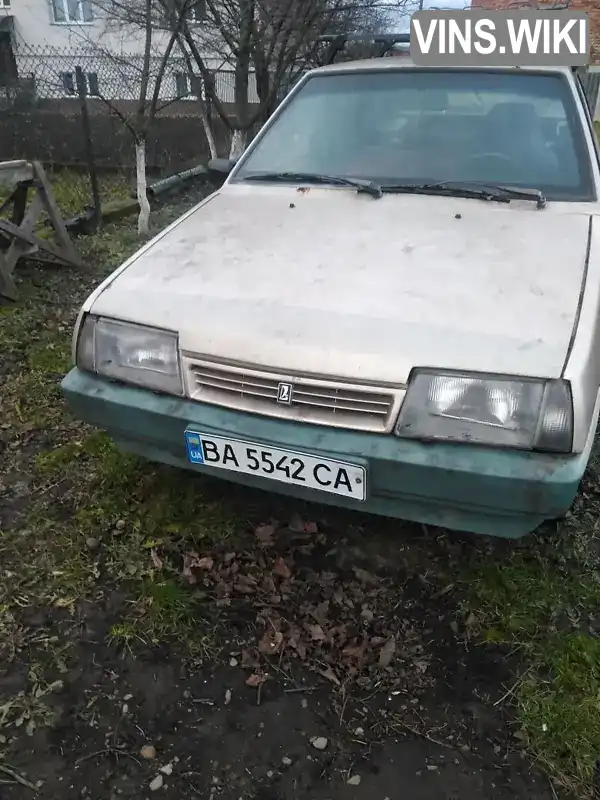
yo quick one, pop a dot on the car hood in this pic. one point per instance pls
(326, 281)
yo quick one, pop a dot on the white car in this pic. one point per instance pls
(391, 303)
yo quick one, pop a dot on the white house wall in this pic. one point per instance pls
(44, 49)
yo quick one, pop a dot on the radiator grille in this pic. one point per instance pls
(341, 405)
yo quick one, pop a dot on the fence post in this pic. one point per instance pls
(89, 149)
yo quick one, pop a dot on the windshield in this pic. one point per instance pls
(394, 126)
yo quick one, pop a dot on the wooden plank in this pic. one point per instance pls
(12, 172)
(35, 242)
(18, 237)
(8, 287)
(70, 255)
(20, 202)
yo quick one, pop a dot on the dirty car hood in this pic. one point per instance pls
(334, 283)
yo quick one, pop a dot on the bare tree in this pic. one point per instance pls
(266, 44)
(269, 42)
(141, 77)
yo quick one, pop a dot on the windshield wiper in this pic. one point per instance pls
(361, 186)
(480, 191)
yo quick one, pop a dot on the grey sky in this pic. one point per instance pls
(401, 22)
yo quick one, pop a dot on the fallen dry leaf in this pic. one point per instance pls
(268, 585)
(317, 634)
(311, 527)
(271, 642)
(354, 651)
(256, 679)
(155, 559)
(330, 675)
(281, 569)
(265, 534)
(295, 641)
(364, 576)
(321, 611)
(249, 659)
(205, 563)
(296, 524)
(386, 653)
(190, 560)
(244, 584)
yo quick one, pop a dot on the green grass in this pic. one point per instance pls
(72, 189)
(92, 509)
(542, 600)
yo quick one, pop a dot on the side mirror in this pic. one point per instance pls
(219, 168)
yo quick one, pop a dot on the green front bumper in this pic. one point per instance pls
(464, 487)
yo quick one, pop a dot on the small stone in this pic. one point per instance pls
(233, 662)
(124, 709)
(120, 524)
(228, 697)
(432, 767)
(354, 780)
(128, 697)
(465, 748)
(167, 769)
(319, 742)
(304, 702)
(287, 762)
(359, 732)
(270, 773)
(148, 752)
(157, 783)
(92, 543)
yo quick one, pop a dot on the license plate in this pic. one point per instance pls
(285, 466)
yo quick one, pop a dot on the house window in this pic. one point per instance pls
(69, 83)
(182, 84)
(194, 11)
(197, 12)
(187, 85)
(69, 11)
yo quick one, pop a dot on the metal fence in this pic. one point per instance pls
(47, 73)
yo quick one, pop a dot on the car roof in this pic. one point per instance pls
(393, 63)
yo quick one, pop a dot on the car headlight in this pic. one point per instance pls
(522, 413)
(131, 353)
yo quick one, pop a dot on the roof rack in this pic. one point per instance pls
(384, 42)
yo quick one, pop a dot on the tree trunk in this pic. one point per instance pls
(210, 137)
(203, 111)
(238, 143)
(142, 187)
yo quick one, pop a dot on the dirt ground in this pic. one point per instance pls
(424, 728)
(165, 635)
